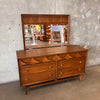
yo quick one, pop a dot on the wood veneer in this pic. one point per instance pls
(50, 65)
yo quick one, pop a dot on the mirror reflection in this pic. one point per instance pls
(45, 34)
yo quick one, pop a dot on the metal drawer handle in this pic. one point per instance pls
(49, 74)
(80, 61)
(61, 72)
(50, 66)
(61, 65)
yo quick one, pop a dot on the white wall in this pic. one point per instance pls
(85, 28)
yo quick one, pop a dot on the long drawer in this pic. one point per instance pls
(28, 69)
(70, 71)
(71, 63)
(28, 79)
(35, 60)
(71, 55)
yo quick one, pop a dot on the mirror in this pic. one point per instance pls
(59, 33)
(33, 34)
(44, 30)
(45, 34)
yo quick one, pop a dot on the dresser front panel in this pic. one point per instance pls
(34, 78)
(70, 71)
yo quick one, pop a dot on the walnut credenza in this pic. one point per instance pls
(44, 66)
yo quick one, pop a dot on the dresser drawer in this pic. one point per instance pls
(38, 77)
(71, 55)
(28, 69)
(35, 60)
(66, 72)
(71, 63)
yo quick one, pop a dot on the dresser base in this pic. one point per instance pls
(51, 82)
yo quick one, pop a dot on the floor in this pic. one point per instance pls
(86, 89)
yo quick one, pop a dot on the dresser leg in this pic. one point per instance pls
(80, 77)
(26, 89)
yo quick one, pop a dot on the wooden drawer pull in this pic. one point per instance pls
(80, 61)
(61, 72)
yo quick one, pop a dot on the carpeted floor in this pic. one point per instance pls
(87, 89)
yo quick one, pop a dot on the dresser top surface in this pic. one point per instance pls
(49, 51)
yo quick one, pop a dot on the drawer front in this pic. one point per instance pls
(34, 60)
(71, 55)
(66, 72)
(35, 68)
(71, 63)
(38, 77)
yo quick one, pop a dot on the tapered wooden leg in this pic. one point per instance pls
(80, 77)
(26, 90)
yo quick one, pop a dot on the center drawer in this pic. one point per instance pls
(35, 68)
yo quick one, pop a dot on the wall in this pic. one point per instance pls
(85, 25)
(85, 28)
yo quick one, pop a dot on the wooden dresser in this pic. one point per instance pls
(50, 65)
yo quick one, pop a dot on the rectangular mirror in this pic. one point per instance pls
(45, 34)
(34, 34)
(41, 34)
(59, 33)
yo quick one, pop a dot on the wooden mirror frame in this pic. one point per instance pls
(44, 19)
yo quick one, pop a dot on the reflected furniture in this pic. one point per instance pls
(51, 63)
